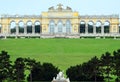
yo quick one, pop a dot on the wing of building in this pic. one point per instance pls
(59, 22)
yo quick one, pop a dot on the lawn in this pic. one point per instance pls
(63, 53)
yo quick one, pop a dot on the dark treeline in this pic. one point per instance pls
(16, 71)
(96, 69)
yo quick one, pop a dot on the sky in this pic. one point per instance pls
(35, 7)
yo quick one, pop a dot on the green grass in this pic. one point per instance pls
(63, 53)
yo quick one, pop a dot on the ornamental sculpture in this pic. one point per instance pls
(60, 78)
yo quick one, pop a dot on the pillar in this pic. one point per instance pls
(86, 28)
(25, 29)
(102, 28)
(94, 29)
(9, 30)
(17, 29)
(33, 29)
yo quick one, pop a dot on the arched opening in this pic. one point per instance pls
(21, 27)
(90, 27)
(13, 27)
(98, 27)
(29, 27)
(0, 28)
(37, 27)
(106, 27)
(68, 26)
(60, 25)
(82, 27)
(52, 26)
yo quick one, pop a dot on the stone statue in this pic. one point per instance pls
(68, 8)
(51, 8)
(60, 78)
(60, 6)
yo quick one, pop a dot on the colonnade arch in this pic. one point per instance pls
(82, 27)
(90, 26)
(21, 27)
(106, 27)
(37, 27)
(29, 27)
(98, 26)
(24, 27)
(12, 27)
(94, 27)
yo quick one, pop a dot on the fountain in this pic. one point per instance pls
(60, 78)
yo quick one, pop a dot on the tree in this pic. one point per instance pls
(88, 71)
(49, 71)
(5, 65)
(29, 64)
(106, 63)
(94, 70)
(19, 68)
(44, 72)
(76, 73)
(36, 72)
(116, 64)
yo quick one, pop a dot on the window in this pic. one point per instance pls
(68, 26)
(60, 25)
(52, 26)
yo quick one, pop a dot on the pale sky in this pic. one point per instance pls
(84, 7)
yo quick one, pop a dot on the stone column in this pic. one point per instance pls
(25, 29)
(17, 29)
(64, 28)
(9, 29)
(33, 29)
(94, 29)
(56, 28)
(86, 28)
(41, 29)
(117, 30)
(102, 28)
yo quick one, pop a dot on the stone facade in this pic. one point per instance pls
(61, 22)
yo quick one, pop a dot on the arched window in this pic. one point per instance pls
(29, 27)
(82, 27)
(37, 27)
(106, 27)
(12, 27)
(98, 27)
(90, 27)
(60, 25)
(68, 26)
(52, 26)
(21, 27)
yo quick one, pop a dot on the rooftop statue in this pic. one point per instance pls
(68, 8)
(60, 78)
(60, 6)
(51, 8)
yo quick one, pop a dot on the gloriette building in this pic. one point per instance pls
(59, 22)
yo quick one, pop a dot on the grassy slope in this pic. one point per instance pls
(61, 52)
